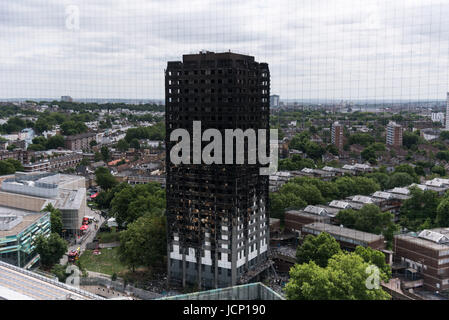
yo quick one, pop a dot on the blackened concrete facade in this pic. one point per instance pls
(218, 226)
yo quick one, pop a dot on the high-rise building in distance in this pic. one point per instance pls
(66, 99)
(274, 101)
(337, 135)
(438, 117)
(394, 134)
(218, 225)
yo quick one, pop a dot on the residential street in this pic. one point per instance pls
(90, 236)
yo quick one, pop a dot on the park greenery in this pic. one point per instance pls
(302, 143)
(425, 210)
(318, 248)
(140, 210)
(50, 249)
(104, 178)
(41, 143)
(55, 218)
(154, 132)
(144, 243)
(344, 278)
(369, 219)
(325, 272)
(10, 166)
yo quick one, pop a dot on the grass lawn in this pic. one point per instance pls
(107, 262)
(106, 237)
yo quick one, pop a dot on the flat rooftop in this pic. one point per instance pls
(344, 232)
(27, 217)
(19, 284)
(60, 178)
(218, 55)
(302, 213)
(426, 243)
(70, 199)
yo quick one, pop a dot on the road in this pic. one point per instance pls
(91, 235)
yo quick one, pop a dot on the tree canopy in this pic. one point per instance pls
(344, 278)
(144, 242)
(55, 218)
(40, 143)
(50, 249)
(318, 248)
(10, 166)
(104, 178)
(420, 210)
(132, 202)
(369, 219)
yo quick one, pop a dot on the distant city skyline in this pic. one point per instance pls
(317, 50)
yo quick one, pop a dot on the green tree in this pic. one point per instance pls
(55, 218)
(420, 208)
(6, 167)
(318, 248)
(344, 278)
(97, 156)
(104, 178)
(279, 202)
(42, 125)
(400, 179)
(309, 193)
(409, 139)
(314, 150)
(407, 169)
(366, 186)
(59, 271)
(105, 153)
(442, 218)
(16, 164)
(50, 249)
(364, 139)
(132, 202)
(346, 186)
(443, 155)
(381, 178)
(368, 153)
(444, 135)
(72, 127)
(122, 145)
(135, 143)
(369, 219)
(144, 242)
(377, 258)
(14, 124)
(439, 170)
(55, 142)
(105, 197)
(332, 149)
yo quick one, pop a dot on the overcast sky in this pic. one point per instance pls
(325, 49)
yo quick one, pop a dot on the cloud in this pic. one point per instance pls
(347, 49)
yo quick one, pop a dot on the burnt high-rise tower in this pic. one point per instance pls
(218, 225)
